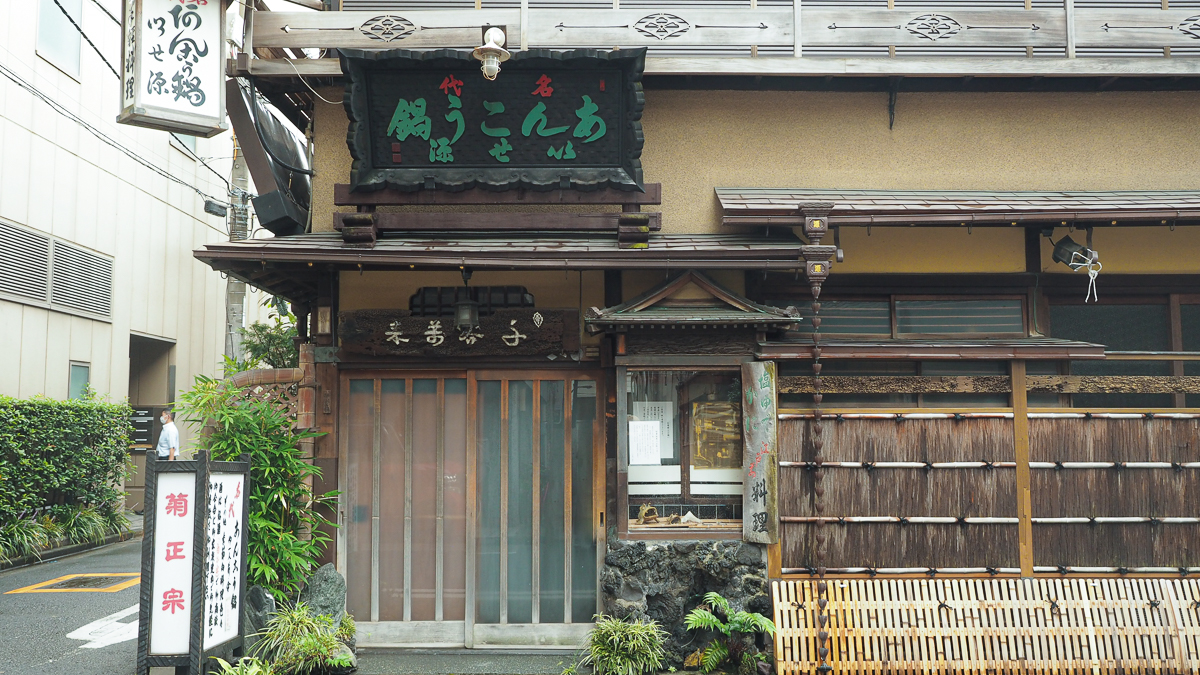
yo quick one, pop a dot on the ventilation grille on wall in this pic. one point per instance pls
(24, 263)
(82, 280)
(71, 280)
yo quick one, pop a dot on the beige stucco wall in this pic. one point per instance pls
(699, 140)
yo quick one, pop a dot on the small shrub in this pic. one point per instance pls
(285, 533)
(346, 630)
(116, 522)
(85, 525)
(311, 653)
(245, 666)
(21, 537)
(734, 643)
(623, 647)
(287, 627)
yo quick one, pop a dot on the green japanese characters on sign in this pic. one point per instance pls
(417, 118)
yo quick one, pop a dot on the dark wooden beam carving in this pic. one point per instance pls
(896, 384)
(1114, 384)
(424, 222)
(342, 196)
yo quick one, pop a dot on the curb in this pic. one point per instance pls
(69, 549)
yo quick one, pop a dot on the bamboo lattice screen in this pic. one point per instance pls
(992, 626)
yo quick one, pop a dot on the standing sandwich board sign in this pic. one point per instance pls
(193, 562)
(172, 58)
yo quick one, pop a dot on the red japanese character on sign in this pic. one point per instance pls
(543, 89)
(451, 82)
(239, 490)
(175, 550)
(172, 600)
(177, 504)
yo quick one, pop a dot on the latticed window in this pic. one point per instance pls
(439, 300)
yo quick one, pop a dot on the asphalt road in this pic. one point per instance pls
(34, 626)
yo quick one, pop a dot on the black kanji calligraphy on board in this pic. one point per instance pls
(552, 119)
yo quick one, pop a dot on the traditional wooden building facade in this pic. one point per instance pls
(805, 312)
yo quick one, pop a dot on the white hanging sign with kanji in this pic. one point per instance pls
(173, 62)
(174, 534)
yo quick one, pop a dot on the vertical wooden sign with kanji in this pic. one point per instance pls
(760, 505)
(193, 562)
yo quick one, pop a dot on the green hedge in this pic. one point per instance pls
(52, 453)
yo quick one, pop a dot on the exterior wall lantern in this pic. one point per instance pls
(466, 310)
(492, 53)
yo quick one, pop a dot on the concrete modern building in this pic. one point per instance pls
(97, 283)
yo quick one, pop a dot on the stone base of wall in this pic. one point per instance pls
(664, 580)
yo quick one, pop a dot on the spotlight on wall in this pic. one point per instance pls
(1074, 255)
(492, 53)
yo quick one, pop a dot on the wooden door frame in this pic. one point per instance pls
(492, 634)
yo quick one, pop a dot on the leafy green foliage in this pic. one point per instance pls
(273, 343)
(61, 452)
(85, 526)
(732, 643)
(346, 630)
(284, 539)
(245, 666)
(21, 537)
(623, 647)
(298, 642)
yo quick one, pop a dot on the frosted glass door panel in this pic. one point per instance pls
(551, 500)
(488, 472)
(454, 501)
(360, 444)
(520, 502)
(583, 514)
(424, 500)
(392, 423)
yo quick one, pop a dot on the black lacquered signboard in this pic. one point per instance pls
(430, 120)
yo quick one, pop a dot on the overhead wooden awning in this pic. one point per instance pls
(784, 206)
(288, 265)
(1033, 349)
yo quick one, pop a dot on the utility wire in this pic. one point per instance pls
(107, 13)
(85, 37)
(198, 158)
(107, 140)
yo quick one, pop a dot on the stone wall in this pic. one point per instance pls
(664, 580)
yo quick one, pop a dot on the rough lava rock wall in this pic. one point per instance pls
(664, 580)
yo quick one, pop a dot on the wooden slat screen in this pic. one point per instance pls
(992, 626)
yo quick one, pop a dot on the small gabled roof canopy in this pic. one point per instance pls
(690, 300)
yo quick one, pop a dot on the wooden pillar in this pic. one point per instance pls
(1178, 400)
(1020, 406)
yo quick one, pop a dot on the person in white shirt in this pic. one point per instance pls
(168, 440)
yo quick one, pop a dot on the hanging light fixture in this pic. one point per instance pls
(1068, 252)
(466, 310)
(492, 53)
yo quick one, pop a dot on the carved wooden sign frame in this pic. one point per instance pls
(551, 120)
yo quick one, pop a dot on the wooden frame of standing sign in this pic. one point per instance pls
(760, 455)
(193, 562)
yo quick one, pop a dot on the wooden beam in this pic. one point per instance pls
(342, 196)
(896, 384)
(1114, 384)
(820, 66)
(467, 222)
(1176, 312)
(993, 384)
(1020, 405)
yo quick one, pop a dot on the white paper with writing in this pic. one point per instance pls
(222, 565)
(644, 440)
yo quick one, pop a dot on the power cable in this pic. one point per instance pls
(198, 158)
(57, 107)
(85, 37)
(107, 13)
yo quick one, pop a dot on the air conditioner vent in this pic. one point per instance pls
(82, 280)
(24, 263)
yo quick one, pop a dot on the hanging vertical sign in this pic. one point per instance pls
(760, 505)
(193, 562)
(172, 75)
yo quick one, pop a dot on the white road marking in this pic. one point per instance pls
(107, 631)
